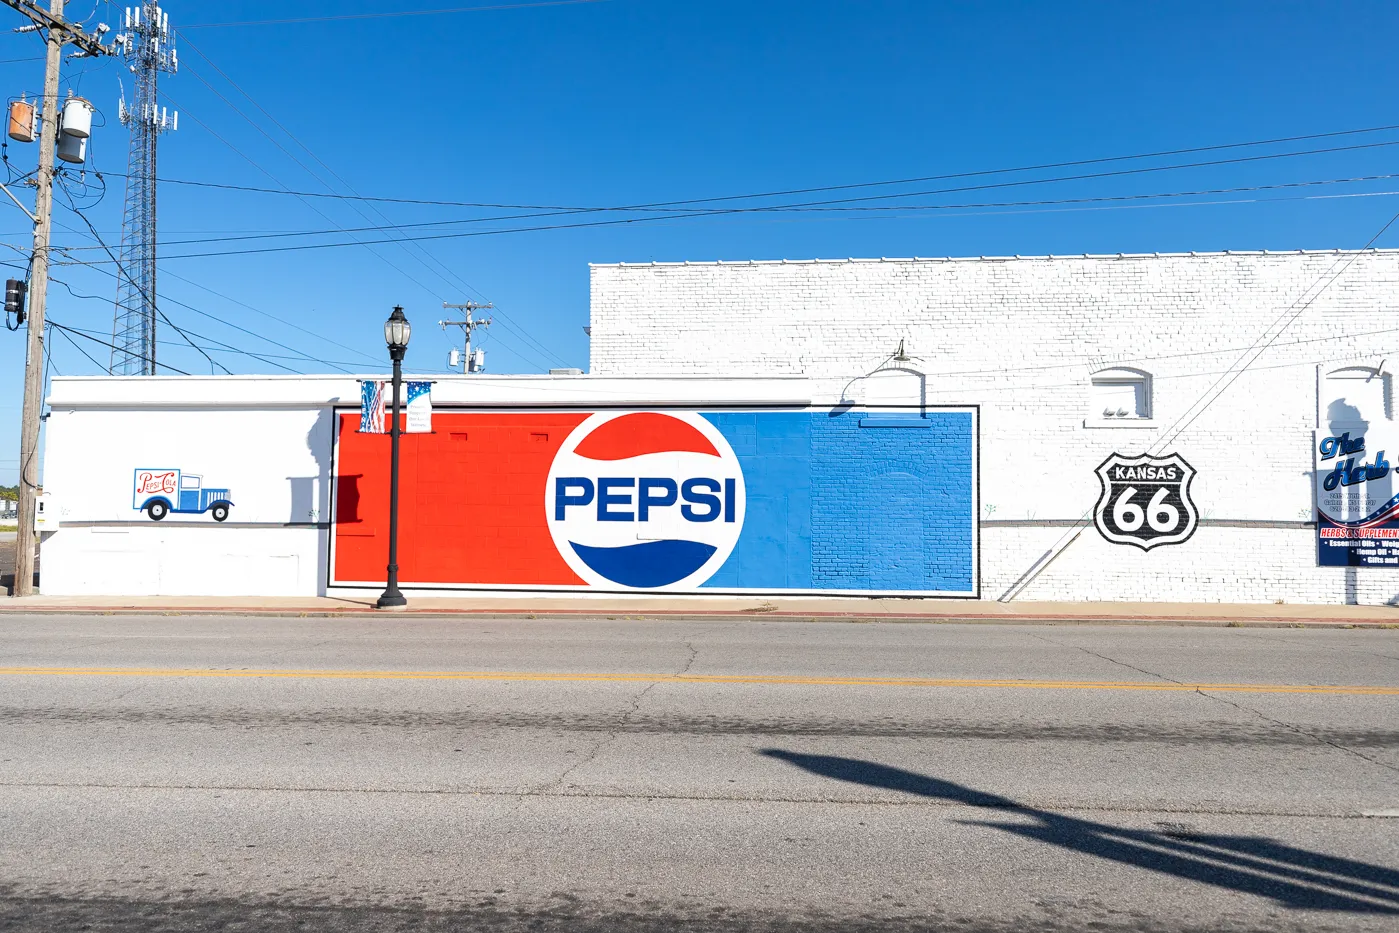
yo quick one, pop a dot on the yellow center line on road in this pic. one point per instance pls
(756, 679)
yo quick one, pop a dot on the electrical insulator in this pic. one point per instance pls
(14, 298)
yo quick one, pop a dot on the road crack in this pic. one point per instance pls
(1320, 739)
(622, 723)
(1283, 724)
(1130, 667)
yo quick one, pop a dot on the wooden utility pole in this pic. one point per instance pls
(59, 33)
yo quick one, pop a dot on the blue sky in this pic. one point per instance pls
(629, 102)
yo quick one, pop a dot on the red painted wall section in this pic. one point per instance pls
(471, 501)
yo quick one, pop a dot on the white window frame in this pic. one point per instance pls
(1121, 376)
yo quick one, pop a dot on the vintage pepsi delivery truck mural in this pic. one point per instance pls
(158, 492)
(767, 501)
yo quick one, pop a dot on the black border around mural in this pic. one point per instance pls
(974, 593)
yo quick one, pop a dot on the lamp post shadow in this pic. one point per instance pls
(1290, 876)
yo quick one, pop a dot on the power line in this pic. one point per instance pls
(266, 358)
(113, 346)
(655, 205)
(624, 221)
(147, 297)
(97, 266)
(1227, 378)
(264, 170)
(64, 333)
(1288, 317)
(779, 208)
(1108, 361)
(418, 252)
(221, 347)
(769, 208)
(273, 317)
(356, 16)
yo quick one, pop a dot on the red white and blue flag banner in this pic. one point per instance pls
(371, 408)
(419, 408)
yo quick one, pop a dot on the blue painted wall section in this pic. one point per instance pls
(834, 504)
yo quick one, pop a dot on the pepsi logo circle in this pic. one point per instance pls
(645, 500)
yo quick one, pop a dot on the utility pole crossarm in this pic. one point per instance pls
(67, 32)
(469, 363)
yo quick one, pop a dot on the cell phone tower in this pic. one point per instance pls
(145, 44)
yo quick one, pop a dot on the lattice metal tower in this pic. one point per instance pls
(145, 44)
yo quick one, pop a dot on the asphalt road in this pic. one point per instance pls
(595, 775)
(7, 552)
(7, 560)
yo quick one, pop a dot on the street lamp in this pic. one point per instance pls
(396, 333)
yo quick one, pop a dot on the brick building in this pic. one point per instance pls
(1206, 427)
(1070, 359)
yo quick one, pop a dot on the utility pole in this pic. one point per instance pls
(144, 42)
(468, 361)
(59, 32)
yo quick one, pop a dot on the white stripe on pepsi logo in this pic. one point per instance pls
(698, 497)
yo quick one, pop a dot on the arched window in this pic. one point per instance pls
(1119, 396)
(1355, 393)
(895, 386)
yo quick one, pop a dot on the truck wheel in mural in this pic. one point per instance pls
(157, 510)
(220, 512)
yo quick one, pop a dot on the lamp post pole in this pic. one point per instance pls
(396, 331)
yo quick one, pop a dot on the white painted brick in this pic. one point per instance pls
(1021, 338)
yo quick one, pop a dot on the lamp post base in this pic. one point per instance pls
(392, 600)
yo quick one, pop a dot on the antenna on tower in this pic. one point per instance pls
(145, 45)
(470, 361)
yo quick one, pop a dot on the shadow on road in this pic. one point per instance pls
(1293, 877)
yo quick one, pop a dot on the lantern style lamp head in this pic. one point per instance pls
(396, 333)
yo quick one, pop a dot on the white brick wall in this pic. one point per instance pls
(1021, 337)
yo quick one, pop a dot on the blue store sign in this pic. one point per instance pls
(1356, 501)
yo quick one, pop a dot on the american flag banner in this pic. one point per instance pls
(371, 408)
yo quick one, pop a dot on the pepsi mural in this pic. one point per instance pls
(1357, 508)
(645, 500)
(770, 500)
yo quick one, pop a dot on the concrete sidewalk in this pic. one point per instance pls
(677, 607)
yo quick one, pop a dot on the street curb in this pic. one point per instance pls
(721, 615)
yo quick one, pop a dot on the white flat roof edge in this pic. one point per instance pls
(1195, 254)
(321, 391)
(431, 377)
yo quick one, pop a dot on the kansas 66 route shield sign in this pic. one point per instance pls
(1145, 501)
